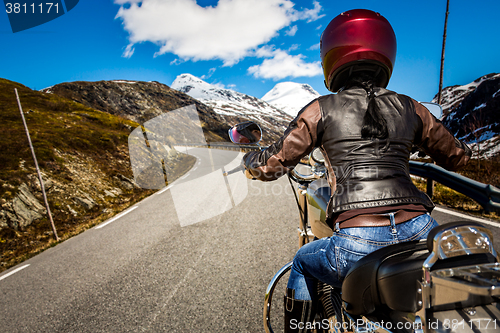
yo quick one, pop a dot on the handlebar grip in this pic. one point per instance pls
(249, 175)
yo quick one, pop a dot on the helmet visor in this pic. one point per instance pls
(246, 132)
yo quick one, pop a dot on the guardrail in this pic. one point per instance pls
(220, 145)
(487, 196)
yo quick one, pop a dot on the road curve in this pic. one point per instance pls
(144, 272)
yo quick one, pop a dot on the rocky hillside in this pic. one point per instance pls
(80, 134)
(139, 102)
(471, 113)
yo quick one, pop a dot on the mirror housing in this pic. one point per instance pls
(435, 109)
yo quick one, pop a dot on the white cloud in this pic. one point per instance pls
(230, 31)
(210, 73)
(314, 47)
(176, 62)
(129, 51)
(284, 65)
(292, 31)
(266, 51)
(311, 14)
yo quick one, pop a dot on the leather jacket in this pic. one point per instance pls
(362, 173)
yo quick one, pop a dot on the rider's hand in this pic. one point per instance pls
(248, 174)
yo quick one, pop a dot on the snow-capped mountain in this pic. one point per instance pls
(290, 97)
(471, 113)
(234, 106)
(452, 96)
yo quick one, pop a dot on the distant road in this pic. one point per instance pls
(142, 272)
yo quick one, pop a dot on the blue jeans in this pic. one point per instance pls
(329, 259)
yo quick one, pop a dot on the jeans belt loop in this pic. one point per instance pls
(337, 227)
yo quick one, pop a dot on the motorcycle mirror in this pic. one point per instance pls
(246, 132)
(433, 108)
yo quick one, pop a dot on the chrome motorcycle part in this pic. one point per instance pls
(269, 296)
(459, 239)
(300, 177)
(470, 311)
(467, 285)
(317, 156)
(305, 236)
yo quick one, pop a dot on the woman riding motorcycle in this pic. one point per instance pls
(366, 134)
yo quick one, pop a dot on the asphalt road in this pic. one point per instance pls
(156, 268)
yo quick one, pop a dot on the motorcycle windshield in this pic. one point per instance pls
(171, 152)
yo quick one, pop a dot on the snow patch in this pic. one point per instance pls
(496, 94)
(479, 107)
(488, 148)
(47, 90)
(124, 81)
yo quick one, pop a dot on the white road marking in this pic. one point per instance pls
(165, 189)
(116, 217)
(13, 272)
(177, 287)
(468, 217)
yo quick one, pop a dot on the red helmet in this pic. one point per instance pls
(357, 40)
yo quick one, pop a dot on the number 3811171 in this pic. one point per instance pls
(25, 8)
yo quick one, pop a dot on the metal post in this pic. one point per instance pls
(37, 168)
(442, 52)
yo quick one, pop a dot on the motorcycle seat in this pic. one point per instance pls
(387, 276)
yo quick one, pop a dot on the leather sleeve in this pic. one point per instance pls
(439, 143)
(298, 140)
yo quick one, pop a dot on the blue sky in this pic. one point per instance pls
(245, 45)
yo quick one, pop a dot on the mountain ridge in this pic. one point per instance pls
(235, 107)
(470, 112)
(138, 101)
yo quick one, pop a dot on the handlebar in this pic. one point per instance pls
(317, 171)
(237, 169)
(303, 178)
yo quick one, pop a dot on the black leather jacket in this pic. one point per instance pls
(363, 173)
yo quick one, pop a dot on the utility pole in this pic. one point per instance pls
(37, 168)
(430, 182)
(442, 52)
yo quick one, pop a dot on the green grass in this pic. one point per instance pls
(54, 123)
(487, 173)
